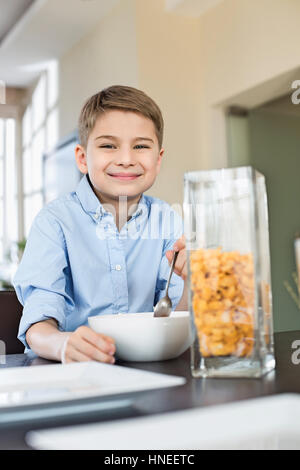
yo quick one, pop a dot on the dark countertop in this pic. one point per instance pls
(195, 393)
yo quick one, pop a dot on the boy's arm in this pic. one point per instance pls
(180, 269)
(40, 281)
(43, 287)
(177, 290)
(183, 302)
(45, 339)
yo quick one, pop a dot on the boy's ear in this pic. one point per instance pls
(80, 156)
(159, 160)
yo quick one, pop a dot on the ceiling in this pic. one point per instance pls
(268, 91)
(192, 8)
(38, 31)
(11, 12)
(33, 32)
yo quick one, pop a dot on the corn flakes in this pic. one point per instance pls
(222, 284)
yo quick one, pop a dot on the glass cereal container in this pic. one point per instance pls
(230, 300)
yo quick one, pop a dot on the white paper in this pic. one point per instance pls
(59, 382)
(263, 423)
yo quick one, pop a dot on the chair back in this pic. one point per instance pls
(10, 315)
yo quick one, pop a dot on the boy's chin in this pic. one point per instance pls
(116, 196)
(128, 196)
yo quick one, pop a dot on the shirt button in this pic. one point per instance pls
(118, 267)
(97, 216)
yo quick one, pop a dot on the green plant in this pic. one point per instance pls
(5, 285)
(21, 245)
(291, 291)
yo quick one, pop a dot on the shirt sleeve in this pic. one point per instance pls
(42, 281)
(176, 283)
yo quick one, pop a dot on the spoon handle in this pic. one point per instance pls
(171, 270)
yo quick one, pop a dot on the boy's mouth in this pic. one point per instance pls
(124, 176)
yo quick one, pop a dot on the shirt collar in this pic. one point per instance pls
(87, 197)
(92, 205)
(142, 208)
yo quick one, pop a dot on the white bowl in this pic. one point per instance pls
(140, 337)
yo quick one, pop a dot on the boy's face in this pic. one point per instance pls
(122, 156)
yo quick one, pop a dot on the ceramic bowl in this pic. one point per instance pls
(141, 337)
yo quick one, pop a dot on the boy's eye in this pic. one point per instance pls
(107, 146)
(111, 146)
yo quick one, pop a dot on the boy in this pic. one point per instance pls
(106, 247)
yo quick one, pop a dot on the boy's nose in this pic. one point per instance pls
(125, 158)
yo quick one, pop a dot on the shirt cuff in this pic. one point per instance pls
(34, 312)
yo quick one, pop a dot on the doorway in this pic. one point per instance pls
(267, 137)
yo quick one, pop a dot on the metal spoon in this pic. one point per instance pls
(164, 306)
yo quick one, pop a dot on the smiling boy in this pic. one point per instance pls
(106, 247)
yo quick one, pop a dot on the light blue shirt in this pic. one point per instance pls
(77, 264)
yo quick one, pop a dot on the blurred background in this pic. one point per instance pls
(221, 71)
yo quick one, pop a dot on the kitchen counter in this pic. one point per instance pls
(195, 393)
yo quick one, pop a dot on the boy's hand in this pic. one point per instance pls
(180, 267)
(84, 344)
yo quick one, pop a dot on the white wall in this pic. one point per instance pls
(244, 45)
(107, 56)
(139, 44)
(237, 52)
(168, 71)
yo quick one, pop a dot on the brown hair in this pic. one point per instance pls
(123, 98)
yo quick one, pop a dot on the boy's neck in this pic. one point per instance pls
(122, 207)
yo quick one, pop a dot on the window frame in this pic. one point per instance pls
(50, 106)
(5, 240)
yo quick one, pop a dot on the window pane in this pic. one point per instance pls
(1, 251)
(1, 177)
(38, 146)
(32, 206)
(11, 221)
(26, 127)
(1, 218)
(52, 129)
(52, 84)
(27, 171)
(39, 103)
(1, 137)
(27, 215)
(10, 138)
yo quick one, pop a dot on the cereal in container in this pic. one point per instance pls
(226, 230)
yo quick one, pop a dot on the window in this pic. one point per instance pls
(21, 182)
(8, 187)
(40, 133)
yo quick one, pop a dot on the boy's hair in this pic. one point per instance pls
(122, 98)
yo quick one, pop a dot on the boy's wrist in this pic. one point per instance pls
(46, 340)
(62, 349)
(183, 302)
